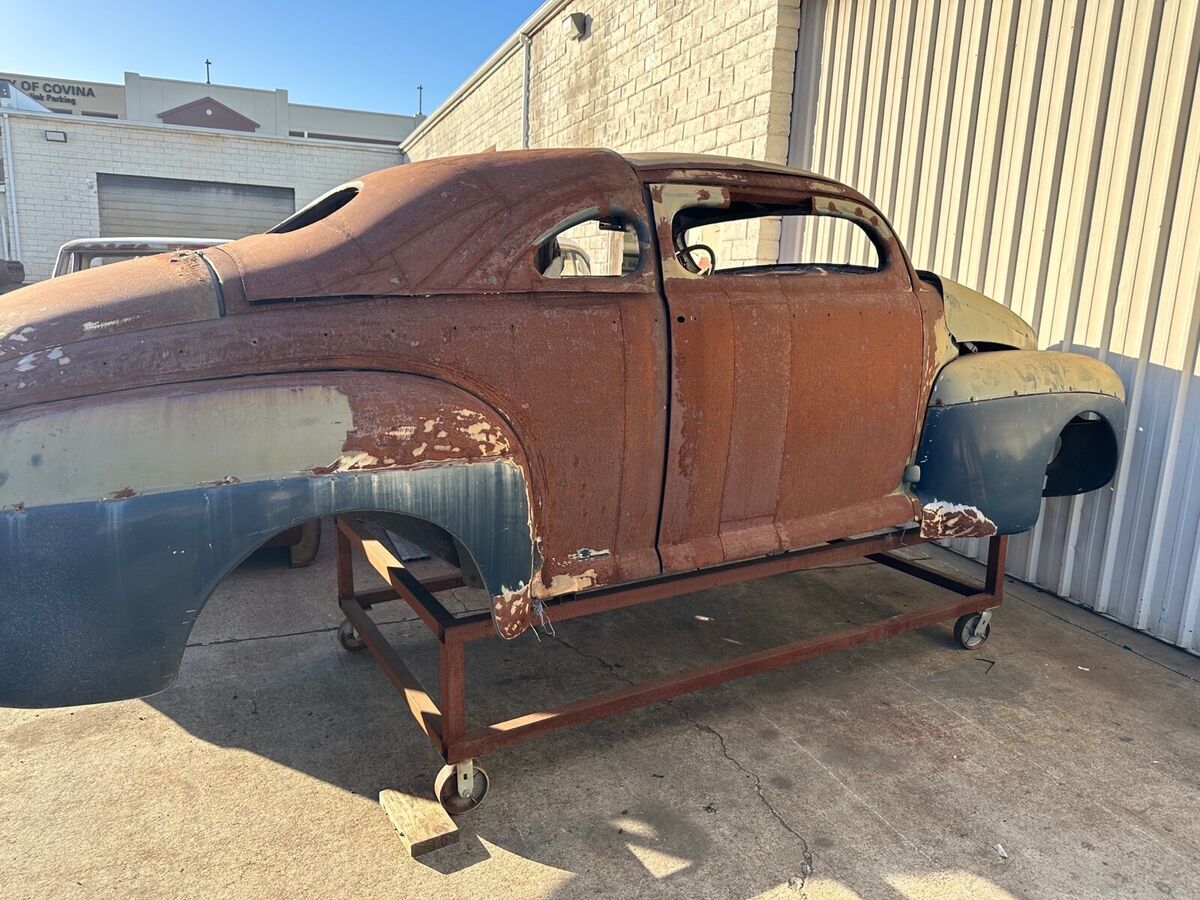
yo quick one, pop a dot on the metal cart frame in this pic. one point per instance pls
(445, 722)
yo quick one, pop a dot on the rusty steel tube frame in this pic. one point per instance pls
(445, 724)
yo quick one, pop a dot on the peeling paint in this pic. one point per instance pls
(587, 553)
(510, 611)
(943, 519)
(565, 584)
(357, 460)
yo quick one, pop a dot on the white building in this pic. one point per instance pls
(158, 157)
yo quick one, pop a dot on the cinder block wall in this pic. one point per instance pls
(698, 77)
(55, 183)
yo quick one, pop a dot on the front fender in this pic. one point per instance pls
(990, 448)
(120, 515)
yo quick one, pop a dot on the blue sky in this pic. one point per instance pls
(368, 55)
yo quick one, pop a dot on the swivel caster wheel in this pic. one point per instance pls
(460, 787)
(973, 629)
(349, 638)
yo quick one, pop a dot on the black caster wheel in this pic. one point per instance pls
(445, 788)
(349, 638)
(971, 630)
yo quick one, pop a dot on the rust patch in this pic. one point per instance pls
(512, 612)
(124, 494)
(942, 519)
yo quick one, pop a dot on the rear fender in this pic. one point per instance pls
(119, 516)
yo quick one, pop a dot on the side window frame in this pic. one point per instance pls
(632, 225)
(673, 198)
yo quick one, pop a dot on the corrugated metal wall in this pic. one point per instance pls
(1047, 152)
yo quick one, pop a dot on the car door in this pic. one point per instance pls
(796, 389)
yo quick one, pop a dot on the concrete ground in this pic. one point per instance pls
(892, 770)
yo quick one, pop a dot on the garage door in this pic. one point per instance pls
(132, 205)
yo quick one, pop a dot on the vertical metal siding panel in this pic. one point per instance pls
(1046, 539)
(857, 76)
(878, 90)
(1120, 157)
(835, 47)
(1137, 309)
(1015, 163)
(895, 127)
(893, 123)
(1048, 153)
(908, 147)
(944, 44)
(1098, 105)
(1035, 189)
(1157, 609)
(960, 134)
(1004, 211)
(995, 100)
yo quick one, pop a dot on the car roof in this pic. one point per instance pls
(656, 161)
(650, 166)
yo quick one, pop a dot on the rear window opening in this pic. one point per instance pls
(595, 247)
(321, 208)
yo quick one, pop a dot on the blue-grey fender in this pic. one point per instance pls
(1006, 428)
(120, 516)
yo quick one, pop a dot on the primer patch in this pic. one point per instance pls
(161, 443)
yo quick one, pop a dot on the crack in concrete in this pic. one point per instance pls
(806, 869)
(600, 659)
(797, 881)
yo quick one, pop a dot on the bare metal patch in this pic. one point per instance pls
(942, 519)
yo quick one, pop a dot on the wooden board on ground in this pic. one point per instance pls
(421, 822)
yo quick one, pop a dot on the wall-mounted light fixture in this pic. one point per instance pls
(575, 26)
(58, 137)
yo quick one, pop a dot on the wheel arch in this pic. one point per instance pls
(116, 612)
(988, 447)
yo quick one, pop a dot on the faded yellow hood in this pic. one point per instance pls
(972, 317)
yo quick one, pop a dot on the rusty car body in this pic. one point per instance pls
(398, 348)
